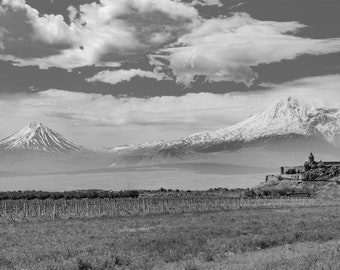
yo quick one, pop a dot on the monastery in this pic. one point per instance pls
(302, 172)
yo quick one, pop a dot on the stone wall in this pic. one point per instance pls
(292, 169)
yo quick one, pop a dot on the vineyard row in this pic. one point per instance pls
(17, 210)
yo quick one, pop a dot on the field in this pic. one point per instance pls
(284, 238)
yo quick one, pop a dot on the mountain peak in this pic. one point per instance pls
(289, 102)
(288, 110)
(292, 100)
(35, 125)
(38, 137)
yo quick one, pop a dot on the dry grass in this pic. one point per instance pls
(298, 256)
(242, 239)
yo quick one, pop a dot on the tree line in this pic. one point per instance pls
(68, 195)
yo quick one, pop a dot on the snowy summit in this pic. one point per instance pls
(37, 137)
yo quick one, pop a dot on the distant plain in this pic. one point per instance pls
(192, 176)
(240, 169)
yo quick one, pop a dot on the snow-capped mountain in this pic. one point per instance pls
(37, 137)
(285, 120)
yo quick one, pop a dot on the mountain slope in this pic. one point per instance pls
(37, 137)
(284, 122)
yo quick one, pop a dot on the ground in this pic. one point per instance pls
(297, 238)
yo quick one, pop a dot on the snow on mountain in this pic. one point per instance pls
(130, 147)
(284, 120)
(37, 137)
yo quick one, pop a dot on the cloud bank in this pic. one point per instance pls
(227, 49)
(118, 120)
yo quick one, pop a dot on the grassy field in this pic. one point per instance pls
(290, 238)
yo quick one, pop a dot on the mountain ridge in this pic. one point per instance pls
(283, 121)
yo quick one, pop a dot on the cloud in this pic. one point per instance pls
(315, 91)
(237, 5)
(203, 109)
(207, 3)
(117, 76)
(3, 31)
(179, 42)
(227, 49)
(98, 32)
(47, 28)
(21, 32)
(108, 64)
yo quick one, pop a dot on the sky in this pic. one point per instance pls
(113, 72)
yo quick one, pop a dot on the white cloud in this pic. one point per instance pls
(207, 3)
(237, 5)
(108, 64)
(108, 31)
(3, 31)
(182, 44)
(99, 120)
(117, 76)
(14, 3)
(47, 28)
(226, 49)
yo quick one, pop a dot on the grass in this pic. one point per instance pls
(242, 239)
(298, 256)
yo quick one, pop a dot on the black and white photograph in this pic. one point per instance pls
(169, 134)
